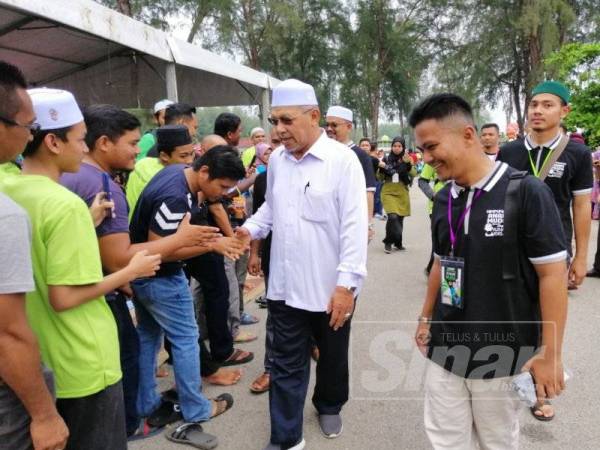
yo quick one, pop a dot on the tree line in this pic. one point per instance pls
(379, 57)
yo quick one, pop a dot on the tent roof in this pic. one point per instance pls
(104, 56)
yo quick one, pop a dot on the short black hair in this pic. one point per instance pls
(222, 161)
(440, 106)
(365, 139)
(107, 120)
(34, 145)
(491, 125)
(226, 123)
(11, 79)
(177, 111)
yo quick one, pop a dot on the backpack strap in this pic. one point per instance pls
(560, 148)
(510, 246)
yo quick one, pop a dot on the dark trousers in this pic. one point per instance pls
(393, 230)
(95, 422)
(209, 271)
(430, 263)
(129, 344)
(290, 371)
(597, 257)
(377, 205)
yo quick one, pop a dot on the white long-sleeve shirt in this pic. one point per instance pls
(317, 210)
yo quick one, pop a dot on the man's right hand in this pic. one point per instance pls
(229, 247)
(243, 235)
(49, 433)
(422, 337)
(194, 235)
(254, 264)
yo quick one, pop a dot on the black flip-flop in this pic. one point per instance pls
(228, 399)
(167, 413)
(233, 359)
(541, 418)
(192, 434)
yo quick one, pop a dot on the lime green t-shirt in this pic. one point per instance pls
(428, 173)
(147, 141)
(80, 344)
(9, 168)
(247, 156)
(138, 179)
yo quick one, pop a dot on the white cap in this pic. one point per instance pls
(256, 130)
(293, 93)
(55, 108)
(163, 104)
(341, 112)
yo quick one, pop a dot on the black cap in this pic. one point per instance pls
(171, 136)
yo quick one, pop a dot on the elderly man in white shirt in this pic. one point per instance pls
(316, 208)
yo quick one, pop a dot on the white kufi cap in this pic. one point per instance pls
(293, 93)
(163, 104)
(55, 108)
(341, 112)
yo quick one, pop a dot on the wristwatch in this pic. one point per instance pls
(350, 289)
(423, 319)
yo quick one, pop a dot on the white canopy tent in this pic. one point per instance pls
(103, 56)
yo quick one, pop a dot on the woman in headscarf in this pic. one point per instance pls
(398, 173)
(263, 151)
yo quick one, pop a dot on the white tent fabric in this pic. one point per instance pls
(103, 56)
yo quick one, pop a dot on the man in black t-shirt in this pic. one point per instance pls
(492, 303)
(164, 302)
(570, 178)
(339, 127)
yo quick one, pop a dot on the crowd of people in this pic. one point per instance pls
(117, 244)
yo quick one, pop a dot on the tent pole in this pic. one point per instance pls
(266, 108)
(171, 80)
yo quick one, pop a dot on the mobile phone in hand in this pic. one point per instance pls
(106, 189)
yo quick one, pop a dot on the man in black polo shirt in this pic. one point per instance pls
(339, 127)
(570, 178)
(496, 294)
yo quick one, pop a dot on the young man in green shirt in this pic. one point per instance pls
(67, 310)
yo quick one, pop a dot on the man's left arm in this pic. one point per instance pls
(352, 268)
(581, 187)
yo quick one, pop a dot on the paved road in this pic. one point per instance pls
(386, 408)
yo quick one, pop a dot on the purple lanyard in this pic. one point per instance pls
(461, 220)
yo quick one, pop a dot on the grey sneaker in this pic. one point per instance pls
(299, 446)
(331, 425)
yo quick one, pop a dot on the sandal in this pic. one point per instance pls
(167, 413)
(244, 337)
(224, 402)
(145, 430)
(192, 434)
(261, 384)
(538, 409)
(238, 358)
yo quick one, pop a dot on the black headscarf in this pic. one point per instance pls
(392, 157)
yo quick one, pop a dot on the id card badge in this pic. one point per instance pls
(453, 277)
(395, 178)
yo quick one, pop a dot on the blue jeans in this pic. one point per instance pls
(378, 206)
(165, 304)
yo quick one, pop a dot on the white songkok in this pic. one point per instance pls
(55, 108)
(293, 93)
(256, 130)
(163, 104)
(341, 112)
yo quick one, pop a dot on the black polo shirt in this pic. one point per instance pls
(367, 166)
(571, 174)
(486, 338)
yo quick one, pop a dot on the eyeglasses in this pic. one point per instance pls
(286, 120)
(333, 125)
(33, 128)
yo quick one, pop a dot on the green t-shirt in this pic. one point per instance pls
(145, 144)
(428, 173)
(9, 168)
(80, 344)
(247, 156)
(139, 178)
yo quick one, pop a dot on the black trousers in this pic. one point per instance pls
(430, 263)
(95, 422)
(393, 230)
(129, 344)
(209, 271)
(290, 370)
